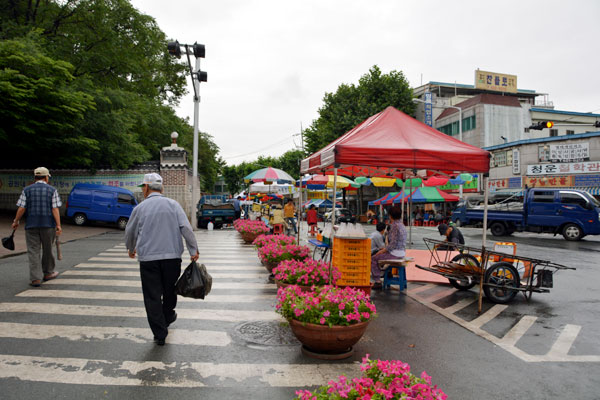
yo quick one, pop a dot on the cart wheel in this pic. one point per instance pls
(470, 265)
(505, 275)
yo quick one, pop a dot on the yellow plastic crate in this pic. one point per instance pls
(352, 245)
(354, 281)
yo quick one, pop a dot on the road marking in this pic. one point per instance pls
(550, 357)
(203, 255)
(122, 259)
(137, 283)
(220, 275)
(137, 267)
(440, 295)
(488, 315)
(123, 296)
(138, 312)
(97, 333)
(420, 288)
(464, 303)
(565, 340)
(512, 337)
(156, 373)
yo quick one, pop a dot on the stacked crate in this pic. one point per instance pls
(353, 258)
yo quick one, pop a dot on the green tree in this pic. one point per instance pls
(351, 104)
(39, 108)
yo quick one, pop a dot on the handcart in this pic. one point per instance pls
(501, 275)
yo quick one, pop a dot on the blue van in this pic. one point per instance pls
(89, 202)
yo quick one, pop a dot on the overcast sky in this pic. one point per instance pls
(270, 62)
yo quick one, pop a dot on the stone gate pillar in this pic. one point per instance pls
(175, 171)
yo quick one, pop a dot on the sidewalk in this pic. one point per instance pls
(70, 232)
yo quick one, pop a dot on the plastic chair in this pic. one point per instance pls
(394, 274)
(277, 229)
(313, 230)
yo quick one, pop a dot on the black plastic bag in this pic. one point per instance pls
(195, 282)
(8, 242)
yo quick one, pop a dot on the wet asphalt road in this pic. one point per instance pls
(465, 364)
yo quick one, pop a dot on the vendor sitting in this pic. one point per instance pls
(453, 236)
(276, 217)
(311, 216)
(394, 249)
(378, 238)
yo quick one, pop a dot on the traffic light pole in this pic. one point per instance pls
(195, 183)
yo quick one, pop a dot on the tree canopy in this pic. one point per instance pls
(89, 84)
(351, 104)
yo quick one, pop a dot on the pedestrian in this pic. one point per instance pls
(395, 247)
(40, 204)
(154, 233)
(289, 213)
(237, 207)
(378, 238)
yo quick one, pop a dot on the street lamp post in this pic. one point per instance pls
(198, 50)
(460, 187)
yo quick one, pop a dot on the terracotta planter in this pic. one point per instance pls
(249, 236)
(328, 342)
(269, 266)
(284, 285)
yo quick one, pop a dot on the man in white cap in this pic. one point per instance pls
(40, 204)
(154, 233)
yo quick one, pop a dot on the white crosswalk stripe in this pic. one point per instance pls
(107, 287)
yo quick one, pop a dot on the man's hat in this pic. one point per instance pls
(41, 171)
(152, 178)
(442, 228)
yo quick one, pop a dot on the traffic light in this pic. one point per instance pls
(202, 76)
(542, 125)
(174, 49)
(199, 51)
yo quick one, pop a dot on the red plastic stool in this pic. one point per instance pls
(313, 230)
(277, 228)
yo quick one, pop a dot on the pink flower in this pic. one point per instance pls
(322, 321)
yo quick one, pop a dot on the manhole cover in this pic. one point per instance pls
(268, 333)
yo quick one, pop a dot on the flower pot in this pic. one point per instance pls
(304, 288)
(270, 265)
(328, 343)
(249, 236)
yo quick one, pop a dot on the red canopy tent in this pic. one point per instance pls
(388, 143)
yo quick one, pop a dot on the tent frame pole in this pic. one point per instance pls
(484, 256)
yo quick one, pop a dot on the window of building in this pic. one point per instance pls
(543, 153)
(500, 159)
(526, 130)
(570, 132)
(553, 132)
(452, 128)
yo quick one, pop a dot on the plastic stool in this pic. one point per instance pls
(313, 230)
(388, 274)
(277, 228)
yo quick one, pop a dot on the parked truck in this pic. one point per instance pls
(216, 209)
(572, 213)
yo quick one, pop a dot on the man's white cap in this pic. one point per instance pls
(41, 171)
(149, 179)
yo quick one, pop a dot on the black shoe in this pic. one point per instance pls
(173, 319)
(377, 286)
(160, 342)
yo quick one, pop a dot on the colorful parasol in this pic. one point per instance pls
(269, 174)
(427, 195)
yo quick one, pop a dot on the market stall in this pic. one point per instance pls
(393, 144)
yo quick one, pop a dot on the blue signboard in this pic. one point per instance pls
(587, 180)
(428, 109)
(514, 182)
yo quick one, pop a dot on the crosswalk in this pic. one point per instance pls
(89, 327)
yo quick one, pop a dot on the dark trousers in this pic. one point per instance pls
(36, 239)
(158, 286)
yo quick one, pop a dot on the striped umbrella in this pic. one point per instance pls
(269, 174)
(427, 195)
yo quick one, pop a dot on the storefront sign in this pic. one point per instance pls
(516, 162)
(496, 184)
(569, 152)
(564, 168)
(320, 194)
(495, 81)
(515, 183)
(586, 180)
(554, 181)
(428, 109)
(468, 187)
(14, 183)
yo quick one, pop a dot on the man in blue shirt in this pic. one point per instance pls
(154, 233)
(40, 204)
(237, 208)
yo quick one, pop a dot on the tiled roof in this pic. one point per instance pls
(483, 98)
